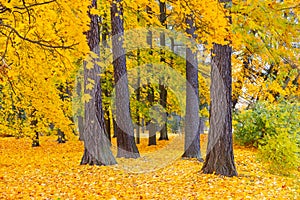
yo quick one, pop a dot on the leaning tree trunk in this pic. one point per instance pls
(219, 155)
(162, 86)
(125, 134)
(192, 134)
(96, 145)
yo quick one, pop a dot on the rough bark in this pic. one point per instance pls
(162, 88)
(192, 134)
(96, 145)
(219, 157)
(124, 127)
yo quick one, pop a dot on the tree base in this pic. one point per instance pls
(198, 157)
(88, 159)
(220, 161)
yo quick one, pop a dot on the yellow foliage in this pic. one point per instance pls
(42, 42)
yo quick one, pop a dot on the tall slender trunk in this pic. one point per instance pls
(151, 123)
(125, 134)
(162, 87)
(96, 145)
(192, 134)
(138, 98)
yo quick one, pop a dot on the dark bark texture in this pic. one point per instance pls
(162, 88)
(124, 130)
(192, 134)
(152, 124)
(150, 97)
(219, 156)
(96, 145)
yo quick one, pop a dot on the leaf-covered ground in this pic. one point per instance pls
(52, 171)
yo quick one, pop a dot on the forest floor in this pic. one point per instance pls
(52, 171)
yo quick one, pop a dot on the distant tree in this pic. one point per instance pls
(192, 133)
(162, 88)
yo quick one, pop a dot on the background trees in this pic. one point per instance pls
(44, 46)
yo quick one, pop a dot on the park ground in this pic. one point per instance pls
(52, 171)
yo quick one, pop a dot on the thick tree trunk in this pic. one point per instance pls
(96, 145)
(219, 155)
(125, 134)
(162, 88)
(192, 134)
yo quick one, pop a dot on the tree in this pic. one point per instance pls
(219, 156)
(40, 52)
(125, 134)
(162, 88)
(268, 50)
(192, 134)
(150, 97)
(96, 144)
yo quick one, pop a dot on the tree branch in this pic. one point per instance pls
(32, 5)
(37, 41)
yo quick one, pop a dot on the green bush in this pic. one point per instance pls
(274, 129)
(280, 152)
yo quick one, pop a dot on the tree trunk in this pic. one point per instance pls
(114, 128)
(162, 88)
(138, 98)
(163, 102)
(96, 145)
(107, 125)
(152, 124)
(192, 134)
(219, 156)
(125, 134)
(36, 140)
(61, 136)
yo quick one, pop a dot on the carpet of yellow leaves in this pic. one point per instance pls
(52, 171)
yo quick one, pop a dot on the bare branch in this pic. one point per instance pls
(33, 5)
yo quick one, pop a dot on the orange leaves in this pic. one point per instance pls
(52, 171)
